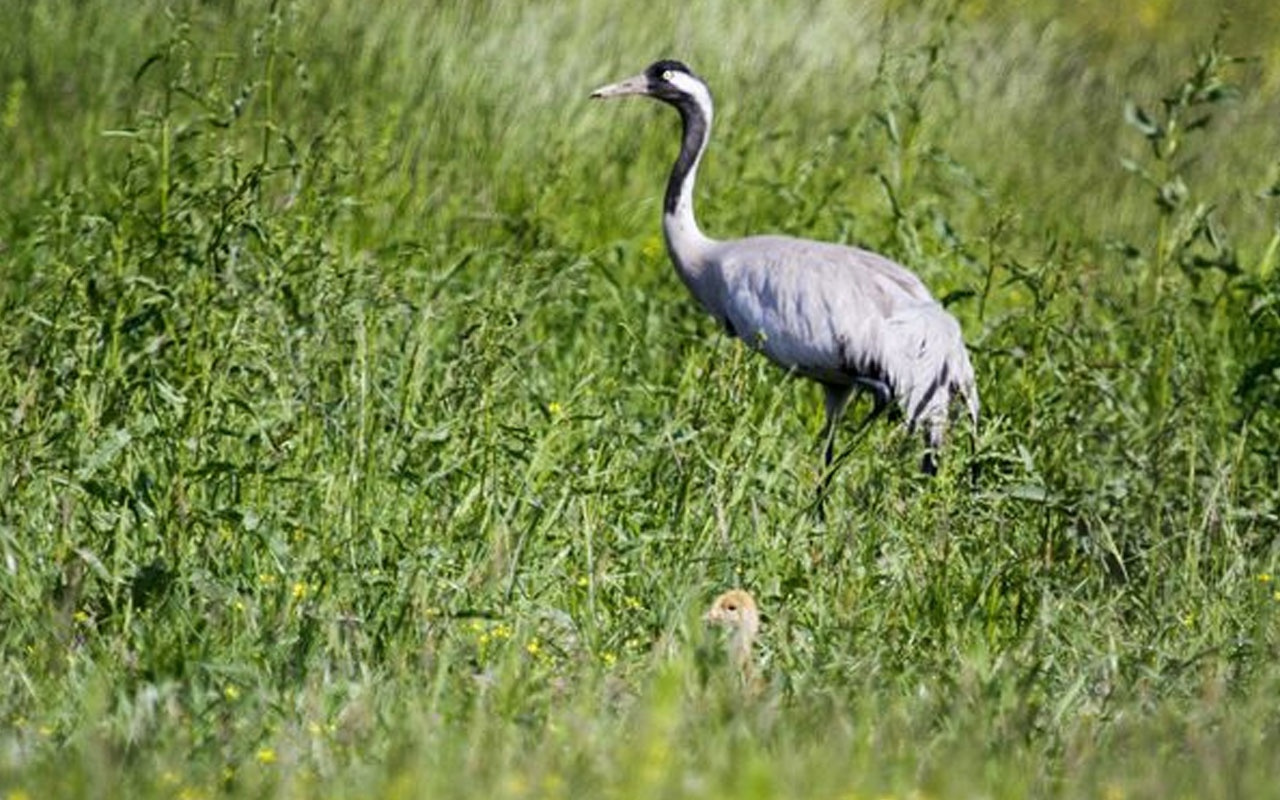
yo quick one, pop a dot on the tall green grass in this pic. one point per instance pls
(357, 439)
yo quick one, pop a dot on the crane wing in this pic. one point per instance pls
(841, 315)
(816, 308)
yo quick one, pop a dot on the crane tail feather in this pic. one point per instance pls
(933, 373)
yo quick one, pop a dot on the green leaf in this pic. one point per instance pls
(106, 453)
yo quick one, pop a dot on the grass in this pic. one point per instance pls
(357, 439)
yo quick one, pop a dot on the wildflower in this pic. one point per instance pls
(299, 590)
(516, 785)
(533, 648)
(583, 582)
(81, 617)
(266, 756)
(1264, 577)
(555, 409)
(652, 248)
(231, 693)
(609, 658)
(552, 785)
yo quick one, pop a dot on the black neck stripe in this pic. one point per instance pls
(694, 139)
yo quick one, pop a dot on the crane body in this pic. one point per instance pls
(847, 318)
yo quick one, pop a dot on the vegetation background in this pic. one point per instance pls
(358, 440)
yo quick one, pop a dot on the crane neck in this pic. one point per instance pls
(685, 241)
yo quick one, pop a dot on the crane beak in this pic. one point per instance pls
(637, 84)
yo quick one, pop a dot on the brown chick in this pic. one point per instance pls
(736, 610)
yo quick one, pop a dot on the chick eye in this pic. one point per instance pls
(731, 607)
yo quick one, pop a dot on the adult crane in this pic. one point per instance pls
(845, 317)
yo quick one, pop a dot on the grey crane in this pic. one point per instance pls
(847, 318)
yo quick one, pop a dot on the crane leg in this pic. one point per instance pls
(837, 398)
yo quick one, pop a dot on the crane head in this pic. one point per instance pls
(735, 609)
(666, 80)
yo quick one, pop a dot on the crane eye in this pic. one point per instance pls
(667, 75)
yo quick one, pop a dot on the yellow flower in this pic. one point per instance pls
(1264, 577)
(582, 581)
(266, 756)
(231, 693)
(533, 647)
(652, 248)
(81, 617)
(555, 409)
(552, 785)
(515, 785)
(608, 658)
(299, 590)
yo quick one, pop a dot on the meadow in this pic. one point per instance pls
(358, 440)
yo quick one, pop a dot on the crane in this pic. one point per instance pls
(847, 318)
(737, 612)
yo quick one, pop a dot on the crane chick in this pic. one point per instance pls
(848, 318)
(736, 611)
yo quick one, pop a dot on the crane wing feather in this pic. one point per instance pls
(817, 308)
(842, 315)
